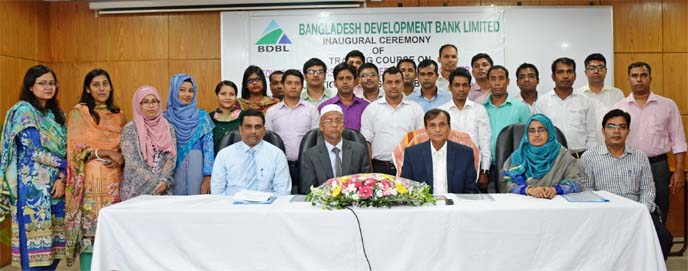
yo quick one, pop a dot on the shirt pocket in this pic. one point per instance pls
(632, 183)
(577, 118)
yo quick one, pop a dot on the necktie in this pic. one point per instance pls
(337, 162)
(250, 168)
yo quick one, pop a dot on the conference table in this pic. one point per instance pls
(506, 232)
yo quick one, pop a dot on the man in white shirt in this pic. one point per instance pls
(386, 121)
(527, 79)
(471, 118)
(448, 58)
(571, 112)
(603, 97)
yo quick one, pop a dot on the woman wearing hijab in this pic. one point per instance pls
(94, 128)
(149, 148)
(194, 131)
(541, 167)
(254, 91)
(226, 116)
(32, 173)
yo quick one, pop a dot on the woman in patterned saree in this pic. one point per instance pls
(254, 91)
(94, 128)
(32, 170)
(148, 147)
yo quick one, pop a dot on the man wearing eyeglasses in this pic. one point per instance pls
(334, 156)
(569, 111)
(657, 129)
(603, 97)
(622, 170)
(369, 82)
(314, 71)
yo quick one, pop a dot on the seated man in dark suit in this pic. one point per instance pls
(334, 156)
(444, 165)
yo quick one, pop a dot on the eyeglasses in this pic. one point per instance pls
(593, 68)
(315, 72)
(614, 126)
(333, 122)
(254, 81)
(538, 130)
(45, 84)
(366, 75)
(98, 84)
(150, 102)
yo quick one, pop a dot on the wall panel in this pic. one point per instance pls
(621, 62)
(637, 25)
(195, 36)
(13, 70)
(43, 38)
(134, 37)
(73, 32)
(569, 2)
(392, 3)
(19, 30)
(129, 75)
(675, 25)
(206, 73)
(675, 88)
(429, 3)
(71, 76)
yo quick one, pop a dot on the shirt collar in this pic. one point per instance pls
(488, 100)
(330, 146)
(650, 98)
(604, 151)
(441, 151)
(257, 147)
(282, 104)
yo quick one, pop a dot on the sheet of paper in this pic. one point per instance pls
(250, 196)
(485, 197)
(585, 196)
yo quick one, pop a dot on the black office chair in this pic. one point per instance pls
(233, 136)
(507, 141)
(314, 136)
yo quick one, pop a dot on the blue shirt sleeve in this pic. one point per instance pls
(568, 186)
(282, 182)
(208, 149)
(30, 138)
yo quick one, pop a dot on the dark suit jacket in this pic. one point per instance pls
(316, 167)
(461, 175)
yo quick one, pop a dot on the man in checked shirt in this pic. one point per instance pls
(623, 170)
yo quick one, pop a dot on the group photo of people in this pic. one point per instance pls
(62, 163)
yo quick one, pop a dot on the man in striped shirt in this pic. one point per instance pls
(623, 170)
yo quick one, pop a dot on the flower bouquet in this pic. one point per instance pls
(369, 190)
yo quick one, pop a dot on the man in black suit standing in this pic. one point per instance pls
(334, 156)
(444, 165)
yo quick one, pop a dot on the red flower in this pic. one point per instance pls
(365, 192)
(370, 182)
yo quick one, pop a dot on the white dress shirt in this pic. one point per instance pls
(574, 115)
(602, 102)
(474, 121)
(384, 126)
(439, 169)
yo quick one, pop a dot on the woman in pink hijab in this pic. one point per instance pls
(149, 148)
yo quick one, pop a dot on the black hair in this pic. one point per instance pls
(445, 46)
(314, 62)
(433, 113)
(525, 66)
(481, 56)
(276, 73)
(639, 64)
(367, 65)
(426, 63)
(344, 66)
(251, 113)
(87, 98)
(408, 61)
(354, 53)
(616, 113)
(392, 70)
(293, 72)
(461, 72)
(498, 67)
(28, 96)
(595, 56)
(245, 94)
(225, 83)
(563, 60)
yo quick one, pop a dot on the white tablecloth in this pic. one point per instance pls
(511, 233)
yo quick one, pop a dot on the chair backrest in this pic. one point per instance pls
(507, 142)
(314, 136)
(419, 136)
(233, 136)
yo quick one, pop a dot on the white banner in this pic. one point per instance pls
(280, 40)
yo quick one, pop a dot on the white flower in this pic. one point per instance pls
(378, 193)
(355, 196)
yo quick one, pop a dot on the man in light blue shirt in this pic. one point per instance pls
(429, 95)
(250, 164)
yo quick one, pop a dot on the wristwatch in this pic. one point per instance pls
(485, 171)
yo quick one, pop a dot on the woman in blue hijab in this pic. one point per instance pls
(541, 167)
(194, 131)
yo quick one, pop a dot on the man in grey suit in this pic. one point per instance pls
(334, 156)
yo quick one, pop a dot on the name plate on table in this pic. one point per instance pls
(585, 196)
(253, 197)
(485, 197)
